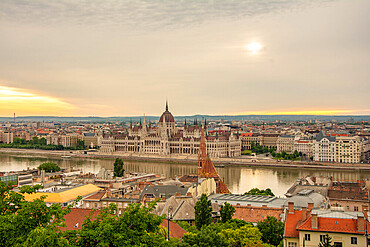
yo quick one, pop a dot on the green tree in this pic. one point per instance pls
(226, 211)
(203, 212)
(272, 230)
(136, 226)
(256, 191)
(118, 168)
(326, 242)
(207, 236)
(247, 235)
(21, 221)
(49, 167)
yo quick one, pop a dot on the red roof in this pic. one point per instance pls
(291, 222)
(246, 134)
(333, 225)
(256, 214)
(176, 231)
(96, 197)
(76, 217)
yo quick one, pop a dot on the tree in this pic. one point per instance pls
(49, 167)
(118, 168)
(272, 230)
(227, 211)
(247, 235)
(207, 236)
(326, 241)
(136, 226)
(256, 191)
(203, 212)
(22, 221)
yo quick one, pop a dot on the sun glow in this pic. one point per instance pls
(254, 47)
(27, 103)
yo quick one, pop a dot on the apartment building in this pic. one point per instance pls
(308, 227)
(324, 148)
(348, 149)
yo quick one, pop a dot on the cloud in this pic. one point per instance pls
(23, 102)
(142, 14)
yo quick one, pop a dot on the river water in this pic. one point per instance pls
(239, 179)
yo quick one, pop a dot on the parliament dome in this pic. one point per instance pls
(167, 116)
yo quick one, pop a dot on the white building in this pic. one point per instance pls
(324, 148)
(166, 139)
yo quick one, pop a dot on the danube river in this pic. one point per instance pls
(239, 179)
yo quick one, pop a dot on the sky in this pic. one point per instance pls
(125, 58)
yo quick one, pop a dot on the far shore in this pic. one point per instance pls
(236, 161)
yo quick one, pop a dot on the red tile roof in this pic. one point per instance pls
(95, 197)
(333, 225)
(291, 223)
(256, 214)
(76, 217)
(176, 231)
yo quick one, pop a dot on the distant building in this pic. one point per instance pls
(324, 148)
(167, 139)
(285, 143)
(349, 196)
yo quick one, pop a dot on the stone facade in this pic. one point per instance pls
(167, 139)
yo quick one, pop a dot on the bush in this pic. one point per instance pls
(49, 167)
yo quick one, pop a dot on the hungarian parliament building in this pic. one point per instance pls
(166, 140)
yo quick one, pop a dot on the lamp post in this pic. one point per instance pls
(169, 217)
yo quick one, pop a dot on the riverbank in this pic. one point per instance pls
(236, 161)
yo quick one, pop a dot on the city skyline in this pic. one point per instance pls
(124, 58)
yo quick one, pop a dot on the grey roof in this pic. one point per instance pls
(182, 208)
(321, 136)
(89, 134)
(300, 200)
(165, 190)
(337, 214)
(244, 200)
(304, 197)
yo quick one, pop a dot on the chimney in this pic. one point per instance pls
(188, 194)
(109, 193)
(310, 206)
(177, 194)
(360, 223)
(304, 213)
(365, 210)
(314, 221)
(291, 207)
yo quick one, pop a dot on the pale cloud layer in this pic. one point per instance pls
(125, 57)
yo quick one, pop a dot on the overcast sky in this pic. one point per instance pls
(124, 58)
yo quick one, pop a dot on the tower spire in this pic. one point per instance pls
(166, 105)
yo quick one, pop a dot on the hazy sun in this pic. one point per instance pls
(254, 47)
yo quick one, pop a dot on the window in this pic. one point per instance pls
(322, 238)
(307, 237)
(353, 240)
(356, 208)
(292, 244)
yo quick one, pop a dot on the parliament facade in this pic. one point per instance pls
(166, 139)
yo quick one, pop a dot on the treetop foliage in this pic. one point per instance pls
(203, 212)
(49, 167)
(118, 171)
(256, 191)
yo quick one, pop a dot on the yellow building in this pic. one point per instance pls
(304, 228)
(64, 196)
